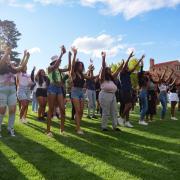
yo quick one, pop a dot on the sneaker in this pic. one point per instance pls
(174, 118)
(94, 116)
(49, 134)
(89, 117)
(25, 120)
(21, 120)
(128, 124)
(11, 132)
(143, 123)
(121, 121)
(117, 129)
(80, 132)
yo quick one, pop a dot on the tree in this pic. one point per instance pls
(9, 36)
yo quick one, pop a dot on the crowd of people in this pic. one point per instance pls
(48, 91)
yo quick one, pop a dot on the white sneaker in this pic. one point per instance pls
(25, 120)
(11, 132)
(128, 124)
(80, 132)
(143, 123)
(174, 118)
(121, 121)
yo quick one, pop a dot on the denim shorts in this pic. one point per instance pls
(55, 90)
(8, 96)
(24, 93)
(77, 93)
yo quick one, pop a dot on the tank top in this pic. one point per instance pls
(24, 79)
(79, 82)
(58, 75)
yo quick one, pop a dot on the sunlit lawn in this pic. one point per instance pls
(151, 152)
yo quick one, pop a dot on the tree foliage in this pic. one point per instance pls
(9, 36)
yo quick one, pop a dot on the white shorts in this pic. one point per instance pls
(173, 97)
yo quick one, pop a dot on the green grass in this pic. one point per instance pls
(151, 152)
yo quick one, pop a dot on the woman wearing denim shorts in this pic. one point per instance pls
(55, 89)
(77, 93)
(8, 88)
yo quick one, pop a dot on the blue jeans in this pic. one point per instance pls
(163, 100)
(144, 103)
(34, 102)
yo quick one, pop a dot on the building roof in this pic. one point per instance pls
(166, 63)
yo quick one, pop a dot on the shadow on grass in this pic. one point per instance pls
(135, 154)
(50, 164)
(7, 170)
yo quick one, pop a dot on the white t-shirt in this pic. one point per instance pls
(24, 79)
(163, 87)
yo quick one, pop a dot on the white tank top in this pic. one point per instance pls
(24, 79)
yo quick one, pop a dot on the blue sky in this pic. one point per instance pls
(151, 27)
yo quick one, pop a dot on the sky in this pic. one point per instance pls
(150, 27)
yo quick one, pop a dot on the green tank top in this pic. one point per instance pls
(55, 76)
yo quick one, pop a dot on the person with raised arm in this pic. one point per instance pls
(126, 91)
(163, 88)
(173, 97)
(107, 96)
(8, 97)
(143, 82)
(55, 89)
(91, 93)
(42, 82)
(152, 97)
(24, 84)
(77, 93)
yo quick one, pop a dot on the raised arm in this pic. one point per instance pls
(173, 82)
(169, 77)
(115, 74)
(32, 74)
(58, 62)
(74, 50)
(127, 61)
(102, 73)
(140, 60)
(4, 59)
(23, 63)
(69, 63)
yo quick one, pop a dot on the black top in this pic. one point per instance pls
(142, 79)
(79, 81)
(173, 89)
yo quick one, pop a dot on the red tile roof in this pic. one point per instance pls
(166, 63)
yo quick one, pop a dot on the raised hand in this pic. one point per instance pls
(70, 54)
(132, 54)
(74, 50)
(103, 54)
(63, 49)
(25, 52)
(143, 56)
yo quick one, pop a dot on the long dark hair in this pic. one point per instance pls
(76, 67)
(107, 75)
(41, 78)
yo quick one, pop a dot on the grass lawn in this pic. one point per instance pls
(151, 152)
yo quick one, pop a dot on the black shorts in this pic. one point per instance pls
(41, 92)
(126, 97)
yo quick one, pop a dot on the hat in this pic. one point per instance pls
(54, 58)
